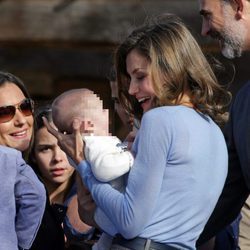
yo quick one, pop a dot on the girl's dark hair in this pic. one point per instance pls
(42, 111)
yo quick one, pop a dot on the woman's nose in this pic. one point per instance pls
(19, 118)
(133, 88)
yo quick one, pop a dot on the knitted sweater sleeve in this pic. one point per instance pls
(108, 161)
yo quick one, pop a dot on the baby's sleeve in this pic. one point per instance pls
(108, 161)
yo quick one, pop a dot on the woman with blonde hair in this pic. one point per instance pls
(180, 153)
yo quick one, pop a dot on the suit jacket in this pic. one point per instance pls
(237, 186)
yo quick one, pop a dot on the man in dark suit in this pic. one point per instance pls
(228, 21)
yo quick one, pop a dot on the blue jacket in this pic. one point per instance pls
(22, 201)
(228, 238)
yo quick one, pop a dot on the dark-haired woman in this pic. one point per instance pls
(22, 194)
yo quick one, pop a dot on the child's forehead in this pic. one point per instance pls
(93, 106)
(93, 100)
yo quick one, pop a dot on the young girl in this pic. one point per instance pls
(58, 175)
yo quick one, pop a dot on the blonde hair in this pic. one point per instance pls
(177, 65)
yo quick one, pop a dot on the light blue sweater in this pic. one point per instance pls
(178, 174)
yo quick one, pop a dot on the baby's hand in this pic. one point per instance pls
(130, 139)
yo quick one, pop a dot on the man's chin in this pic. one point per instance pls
(228, 52)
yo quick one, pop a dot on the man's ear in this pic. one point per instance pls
(240, 6)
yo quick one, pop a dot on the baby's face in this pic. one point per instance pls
(95, 124)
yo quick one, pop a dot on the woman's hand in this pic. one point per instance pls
(130, 139)
(73, 216)
(86, 205)
(71, 144)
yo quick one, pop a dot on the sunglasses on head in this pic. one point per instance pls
(26, 107)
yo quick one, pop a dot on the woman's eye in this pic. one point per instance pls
(44, 149)
(141, 77)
